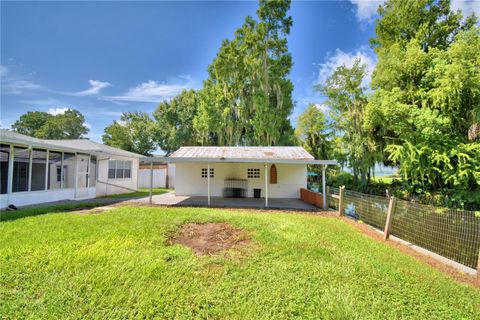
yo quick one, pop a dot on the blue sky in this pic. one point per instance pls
(103, 58)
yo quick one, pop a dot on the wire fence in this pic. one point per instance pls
(454, 234)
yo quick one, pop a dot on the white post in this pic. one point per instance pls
(10, 173)
(208, 182)
(62, 174)
(29, 188)
(151, 183)
(75, 177)
(46, 170)
(324, 187)
(266, 185)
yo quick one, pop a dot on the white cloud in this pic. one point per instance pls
(322, 107)
(467, 7)
(152, 91)
(340, 58)
(3, 70)
(366, 9)
(18, 86)
(86, 124)
(57, 111)
(95, 87)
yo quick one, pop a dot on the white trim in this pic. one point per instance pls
(266, 185)
(46, 170)
(208, 182)
(324, 187)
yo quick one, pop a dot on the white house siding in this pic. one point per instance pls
(114, 186)
(171, 175)
(189, 181)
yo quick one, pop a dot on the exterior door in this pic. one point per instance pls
(83, 174)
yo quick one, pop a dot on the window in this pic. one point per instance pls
(39, 169)
(4, 160)
(21, 161)
(205, 170)
(127, 166)
(273, 174)
(119, 169)
(93, 171)
(111, 168)
(55, 170)
(68, 170)
(253, 173)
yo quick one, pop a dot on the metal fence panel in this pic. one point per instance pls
(454, 234)
(368, 208)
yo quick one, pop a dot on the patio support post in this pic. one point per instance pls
(151, 183)
(208, 182)
(266, 185)
(324, 187)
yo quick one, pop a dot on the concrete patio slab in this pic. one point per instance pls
(170, 199)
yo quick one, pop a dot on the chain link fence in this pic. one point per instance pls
(454, 234)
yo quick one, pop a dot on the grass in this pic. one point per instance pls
(34, 211)
(118, 265)
(139, 194)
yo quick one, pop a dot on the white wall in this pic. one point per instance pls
(27, 198)
(159, 178)
(189, 182)
(105, 189)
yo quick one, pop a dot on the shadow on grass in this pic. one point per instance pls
(141, 193)
(28, 212)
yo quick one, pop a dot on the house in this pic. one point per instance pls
(266, 172)
(37, 170)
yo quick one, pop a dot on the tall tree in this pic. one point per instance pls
(135, 132)
(248, 90)
(313, 132)
(174, 121)
(348, 102)
(31, 122)
(67, 125)
(427, 94)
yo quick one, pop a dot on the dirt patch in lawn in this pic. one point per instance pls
(211, 238)
(96, 210)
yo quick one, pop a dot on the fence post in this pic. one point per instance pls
(478, 268)
(341, 193)
(388, 223)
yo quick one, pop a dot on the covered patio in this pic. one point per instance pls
(269, 177)
(171, 200)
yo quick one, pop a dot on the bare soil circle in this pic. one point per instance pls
(211, 238)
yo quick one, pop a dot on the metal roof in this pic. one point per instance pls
(76, 145)
(260, 153)
(291, 155)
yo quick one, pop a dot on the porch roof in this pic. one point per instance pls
(236, 160)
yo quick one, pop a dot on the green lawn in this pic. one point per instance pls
(117, 265)
(139, 194)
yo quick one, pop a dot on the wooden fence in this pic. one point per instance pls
(454, 234)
